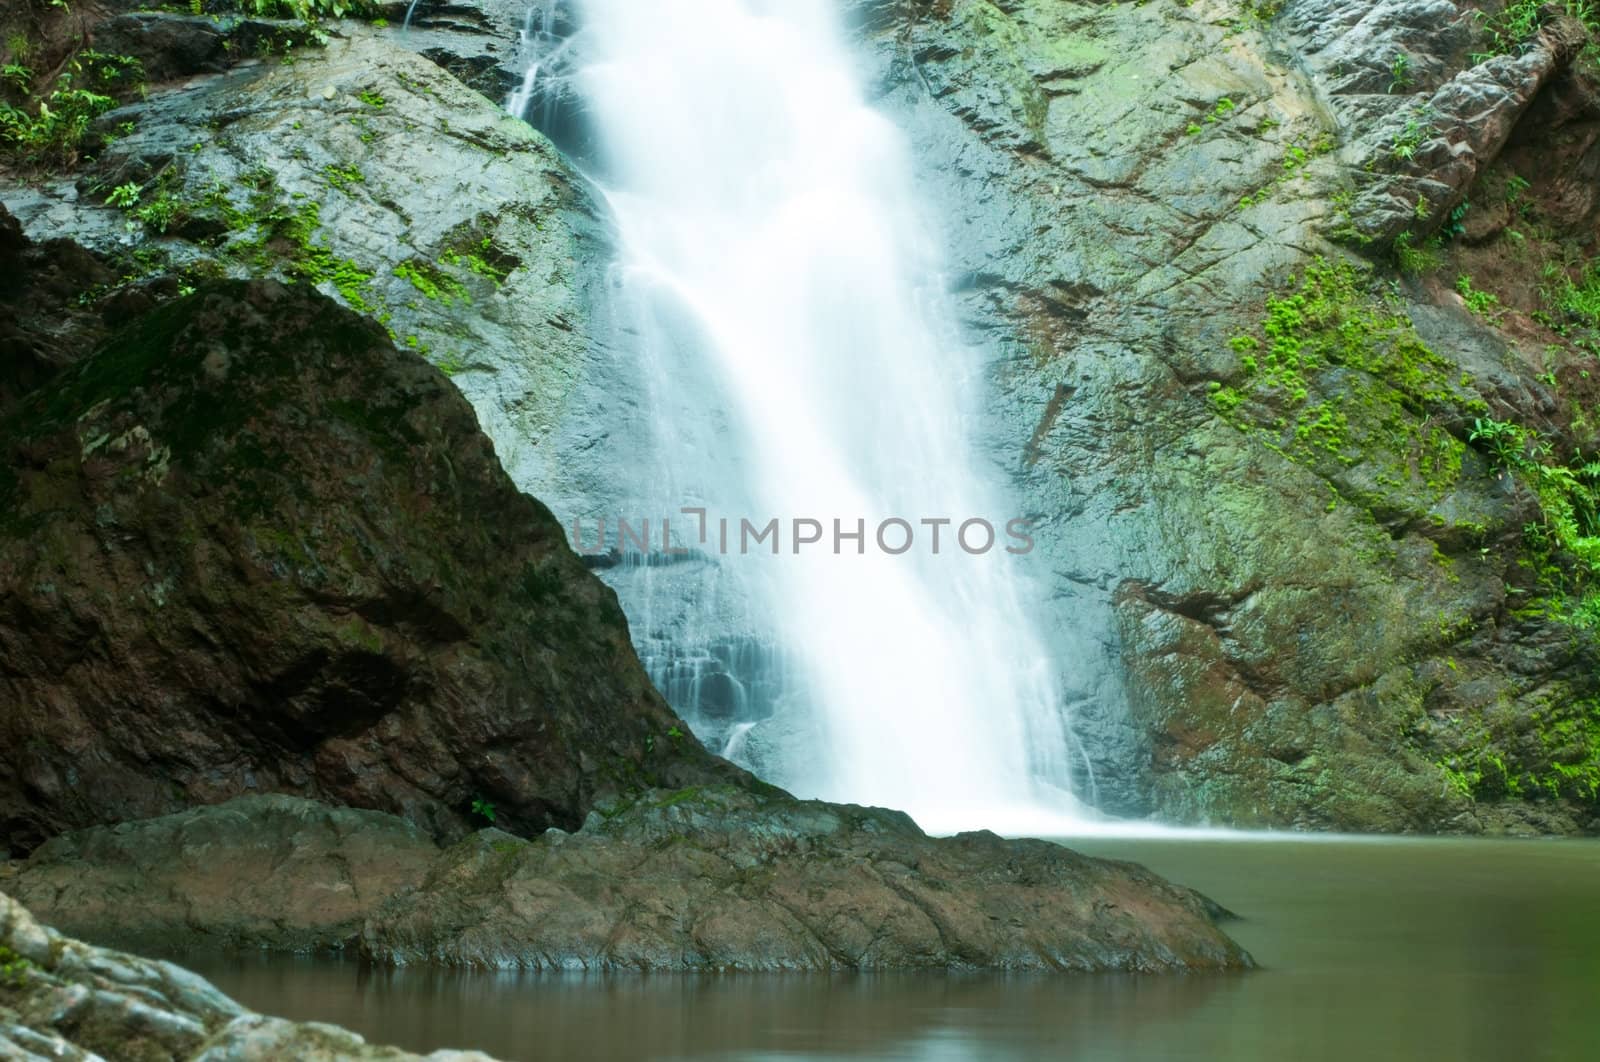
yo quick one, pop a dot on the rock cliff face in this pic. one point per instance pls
(247, 545)
(1293, 364)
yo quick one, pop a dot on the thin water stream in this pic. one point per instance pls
(1370, 950)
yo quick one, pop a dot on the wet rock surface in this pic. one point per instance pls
(63, 999)
(711, 878)
(250, 546)
(1292, 589)
(268, 871)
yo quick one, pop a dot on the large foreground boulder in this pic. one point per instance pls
(250, 546)
(63, 999)
(716, 878)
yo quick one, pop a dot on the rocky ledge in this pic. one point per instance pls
(63, 999)
(715, 878)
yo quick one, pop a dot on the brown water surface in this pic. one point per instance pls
(1371, 950)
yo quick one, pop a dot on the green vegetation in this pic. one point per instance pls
(1295, 159)
(125, 195)
(1579, 299)
(371, 99)
(483, 809)
(432, 282)
(48, 126)
(1334, 379)
(304, 10)
(1483, 304)
(1512, 29)
(1553, 752)
(1417, 129)
(1413, 260)
(1569, 505)
(478, 261)
(1400, 72)
(342, 177)
(271, 234)
(13, 969)
(159, 214)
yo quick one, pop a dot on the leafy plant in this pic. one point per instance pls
(159, 214)
(1400, 72)
(17, 76)
(483, 809)
(1410, 139)
(50, 129)
(1579, 299)
(1482, 303)
(125, 195)
(1512, 29)
(305, 10)
(1508, 443)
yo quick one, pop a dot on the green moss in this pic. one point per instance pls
(432, 282)
(693, 792)
(14, 969)
(343, 177)
(1332, 379)
(1295, 160)
(1552, 753)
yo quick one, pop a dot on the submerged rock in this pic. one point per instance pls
(716, 878)
(250, 546)
(63, 999)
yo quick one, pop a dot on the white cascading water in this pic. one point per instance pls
(807, 363)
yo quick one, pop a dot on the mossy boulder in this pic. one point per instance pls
(248, 545)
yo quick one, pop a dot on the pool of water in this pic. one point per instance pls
(1370, 949)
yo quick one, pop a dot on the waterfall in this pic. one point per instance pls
(782, 290)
